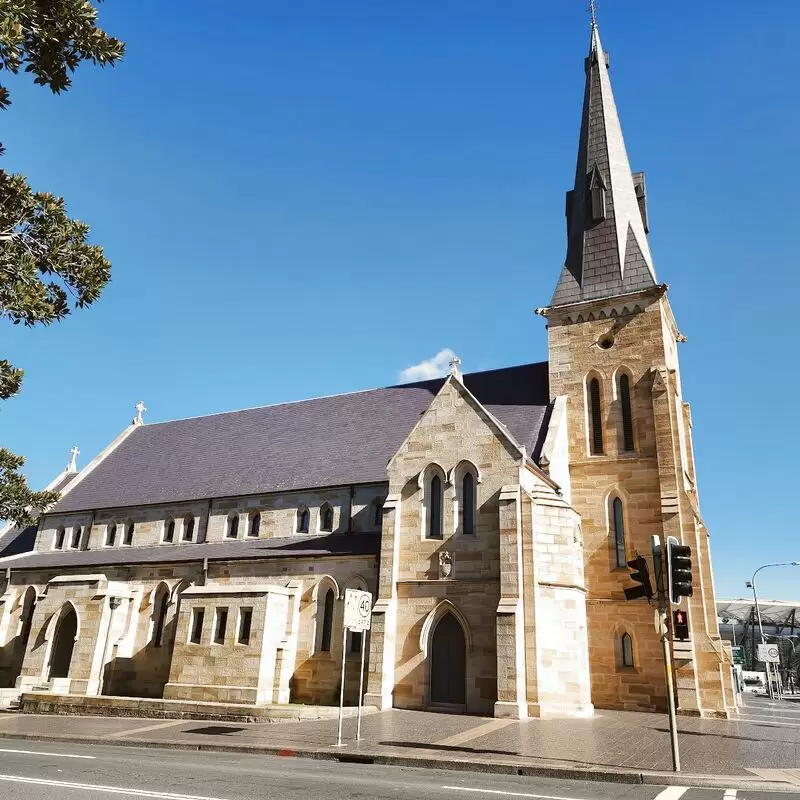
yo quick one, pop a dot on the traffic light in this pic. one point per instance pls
(679, 570)
(641, 575)
(680, 626)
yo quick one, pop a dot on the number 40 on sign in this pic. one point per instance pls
(357, 610)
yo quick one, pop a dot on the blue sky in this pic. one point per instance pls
(303, 198)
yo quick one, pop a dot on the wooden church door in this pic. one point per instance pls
(448, 663)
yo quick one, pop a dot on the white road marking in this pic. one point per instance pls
(672, 793)
(107, 789)
(36, 753)
(730, 794)
(507, 794)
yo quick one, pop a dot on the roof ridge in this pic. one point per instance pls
(338, 394)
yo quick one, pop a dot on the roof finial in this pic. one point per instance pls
(593, 12)
(73, 462)
(455, 366)
(140, 409)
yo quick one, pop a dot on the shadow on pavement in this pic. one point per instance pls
(445, 748)
(728, 736)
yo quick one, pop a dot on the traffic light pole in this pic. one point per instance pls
(658, 565)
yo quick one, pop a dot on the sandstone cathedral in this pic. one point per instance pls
(491, 515)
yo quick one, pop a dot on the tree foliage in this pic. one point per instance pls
(14, 489)
(47, 265)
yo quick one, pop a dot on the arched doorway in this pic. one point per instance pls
(63, 645)
(448, 663)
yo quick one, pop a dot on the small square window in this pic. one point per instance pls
(245, 623)
(220, 625)
(196, 635)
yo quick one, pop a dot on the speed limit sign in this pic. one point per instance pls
(357, 609)
(769, 654)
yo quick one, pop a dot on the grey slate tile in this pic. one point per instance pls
(329, 441)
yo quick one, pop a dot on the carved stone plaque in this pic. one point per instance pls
(446, 564)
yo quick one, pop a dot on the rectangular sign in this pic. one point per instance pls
(769, 654)
(357, 609)
(738, 655)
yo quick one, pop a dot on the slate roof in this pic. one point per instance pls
(17, 540)
(305, 546)
(611, 256)
(329, 441)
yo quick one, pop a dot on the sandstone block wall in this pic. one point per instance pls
(354, 511)
(223, 668)
(123, 658)
(655, 483)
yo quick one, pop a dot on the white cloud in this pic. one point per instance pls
(436, 367)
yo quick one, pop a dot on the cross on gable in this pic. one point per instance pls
(140, 409)
(73, 461)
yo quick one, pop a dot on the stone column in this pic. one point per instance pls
(511, 699)
(380, 675)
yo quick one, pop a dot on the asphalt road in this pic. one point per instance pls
(37, 770)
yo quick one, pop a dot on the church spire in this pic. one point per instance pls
(607, 249)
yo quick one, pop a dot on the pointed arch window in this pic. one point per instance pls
(160, 615)
(595, 418)
(618, 526)
(111, 534)
(255, 525)
(468, 503)
(435, 502)
(627, 650)
(303, 519)
(377, 512)
(60, 534)
(326, 518)
(76, 537)
(327, 622)
(626, 412)
(127, 538)
(188, 529)
(169, 531)
(233, 526)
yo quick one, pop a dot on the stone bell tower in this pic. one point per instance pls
(613, 356)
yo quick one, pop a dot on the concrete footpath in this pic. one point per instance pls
(761, 751)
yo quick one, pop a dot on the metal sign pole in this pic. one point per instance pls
(341, 688)
(361, 685)
(662, 612)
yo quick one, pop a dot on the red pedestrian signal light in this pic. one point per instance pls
(680, 625)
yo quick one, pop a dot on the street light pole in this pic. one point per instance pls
(752, 585)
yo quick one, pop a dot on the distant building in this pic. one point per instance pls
(492, 514)
(780, 623)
